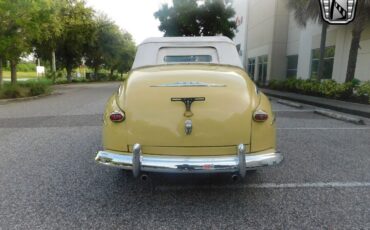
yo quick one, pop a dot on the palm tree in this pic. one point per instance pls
(305, 10)
(359, 24)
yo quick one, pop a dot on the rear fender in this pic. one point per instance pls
(263, 134)
(114, 134)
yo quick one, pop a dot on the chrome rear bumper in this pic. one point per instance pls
(138, 162)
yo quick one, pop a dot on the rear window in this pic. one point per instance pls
(180, 55)
(187, 58)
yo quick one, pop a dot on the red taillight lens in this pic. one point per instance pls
(117, 116)
(260, 116)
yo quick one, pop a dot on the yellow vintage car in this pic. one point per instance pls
(188, 107)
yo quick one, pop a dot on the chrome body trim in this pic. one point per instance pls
(241, 160)
(188, 127)
(139, 162)
(136, 160)
(189, 84)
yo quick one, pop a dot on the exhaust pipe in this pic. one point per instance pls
(144, 177)
(235, 177)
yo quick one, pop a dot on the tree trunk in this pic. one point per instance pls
(353, 53)
(111, 72)
(13, 72)
(53, 62)
(1, 72)
(53, 65)
(69, 73)
(324, 31)
(358, 28)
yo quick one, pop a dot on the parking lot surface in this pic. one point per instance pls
(49, 179)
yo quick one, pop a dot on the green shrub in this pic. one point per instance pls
(102, 77)
(326, 88)
(310, 86)
(42, 81)
(10, 91)
(275, 84)
(25, 88)
(60, 74)
(61, 81)
(363, 91)
(332, 89)
(290, 84)
(113, 77)
(79, 80)
(355, 82)
(38, 87)
(344, 91)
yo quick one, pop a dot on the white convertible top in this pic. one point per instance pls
(206, 39)
(153, 51)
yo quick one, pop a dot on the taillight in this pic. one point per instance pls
(260, 116)
(117, 116)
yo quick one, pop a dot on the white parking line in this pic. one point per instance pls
(270, 186)
(304, 128)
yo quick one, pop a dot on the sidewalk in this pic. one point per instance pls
(341, 106)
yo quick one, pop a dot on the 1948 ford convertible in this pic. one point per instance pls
(188, 106)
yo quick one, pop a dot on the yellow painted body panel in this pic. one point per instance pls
(222, 121)
(263, 134)
(186, 151)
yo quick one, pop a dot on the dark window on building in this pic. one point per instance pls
(262, 69)
(328, 62)
(292, 66)
(251, 67)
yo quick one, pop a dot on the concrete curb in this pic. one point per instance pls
(339, 116)
(5, 101)
(315, 101)
(291, 104)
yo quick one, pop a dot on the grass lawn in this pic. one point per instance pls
(21, 74)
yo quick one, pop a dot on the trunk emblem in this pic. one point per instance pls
(188, 127)
(188, 101)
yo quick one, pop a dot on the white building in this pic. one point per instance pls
(275, 47)
(240, 39)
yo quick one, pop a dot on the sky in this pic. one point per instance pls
(134, 16)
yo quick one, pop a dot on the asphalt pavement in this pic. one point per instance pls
(49, 180)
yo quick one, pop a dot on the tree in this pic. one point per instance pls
(179, 20)
(123, 58)
(51, 31)
(362, 17)
(305, 10)
(215, 19)
(78, 29)
(111, 47)
(20, 24)
(98, 48)
(106, 45)
(127, 54)
(187, 18)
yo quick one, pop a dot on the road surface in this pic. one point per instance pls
(49, 179)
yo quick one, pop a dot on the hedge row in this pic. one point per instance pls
(25, 89)
(101, 77)
(327, 88)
